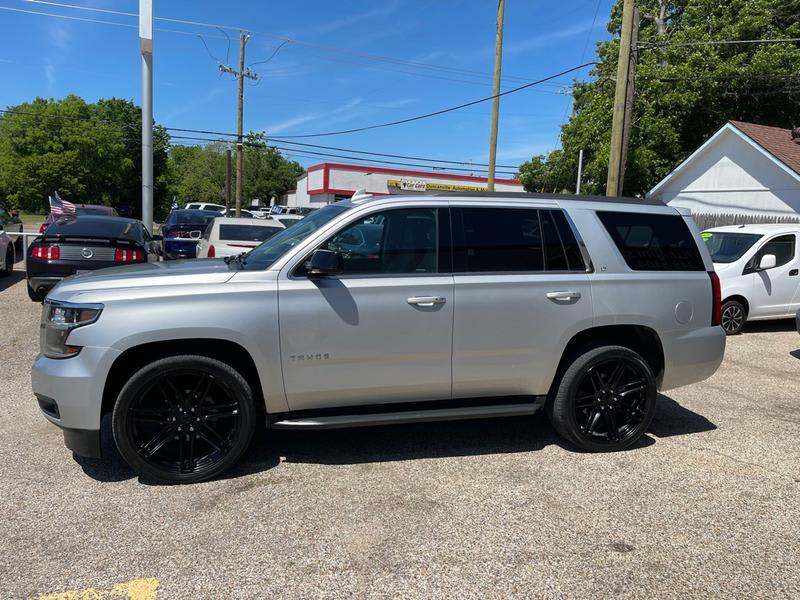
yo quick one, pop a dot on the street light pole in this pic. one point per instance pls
(498, 61)
(146, 49)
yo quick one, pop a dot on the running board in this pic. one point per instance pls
(412, 416)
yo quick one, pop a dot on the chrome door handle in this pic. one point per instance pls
(563, 296)
(426, 300)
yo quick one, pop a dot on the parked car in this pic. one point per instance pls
(759, 269)
(205, 206)
(82, 210)
(227, 236)
(73, 246)
(7, 253)
(182, 229)
(469, 307)
(286, 219)
(243, 214)
(11, 223)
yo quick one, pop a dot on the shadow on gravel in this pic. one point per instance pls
(673, 419)
(775, 326)
(402, 442)
(8, 281)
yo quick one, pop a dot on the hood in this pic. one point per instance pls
(146, 275)
(724, 268)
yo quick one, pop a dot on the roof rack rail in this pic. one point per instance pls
(545, 196)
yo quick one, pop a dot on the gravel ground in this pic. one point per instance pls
(706, 507)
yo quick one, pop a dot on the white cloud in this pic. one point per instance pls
(307, 118)
(49, 72)
(59, 35)
(352, 19)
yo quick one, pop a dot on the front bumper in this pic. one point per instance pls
(75, 387)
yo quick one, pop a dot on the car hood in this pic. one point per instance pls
(724, 268)
(146, 275)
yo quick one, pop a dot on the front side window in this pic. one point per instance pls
(402, 241)
(782, 247)
(497, 239)
(727, 247)
(653, 242)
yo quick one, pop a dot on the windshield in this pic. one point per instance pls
(267, 253)
(192, 217)
(726, 247)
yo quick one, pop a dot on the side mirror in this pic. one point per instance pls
(324, 263)
(768, 261)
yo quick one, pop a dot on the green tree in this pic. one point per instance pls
(87, 152)
(686, 89)
(267, 173)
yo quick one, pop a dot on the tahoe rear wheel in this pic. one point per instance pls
(605, 400)
(733, 317)
(184, 419)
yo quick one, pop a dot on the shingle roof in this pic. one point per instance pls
(775, 140)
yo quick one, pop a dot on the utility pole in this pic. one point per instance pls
(240, 74)
(146, 50)
(228, 183)
(498, 61)
(623, 101)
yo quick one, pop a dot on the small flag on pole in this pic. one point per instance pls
(174, 203)
(59, 206)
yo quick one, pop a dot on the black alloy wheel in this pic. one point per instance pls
(184, 419)
(605, 400)
(733, 317)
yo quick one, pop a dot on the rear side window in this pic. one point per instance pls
(497, 239)
(247, 233)
(561, 250)
(652, 242)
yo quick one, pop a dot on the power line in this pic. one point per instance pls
(438, 112)
(331, 155)
(336, 49)
(715, 42)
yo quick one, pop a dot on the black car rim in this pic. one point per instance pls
(732, 318)
(184, 422)
(611, 401)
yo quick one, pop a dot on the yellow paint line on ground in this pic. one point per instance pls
(136, 589)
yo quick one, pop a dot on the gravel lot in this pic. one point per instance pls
(708, 506)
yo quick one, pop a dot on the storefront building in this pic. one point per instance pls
(326, 183)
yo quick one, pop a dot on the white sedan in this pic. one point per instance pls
(227, 236)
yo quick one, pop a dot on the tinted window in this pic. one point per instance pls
(192, 206)
(108, 227)
(727, 247)
(561, 250)
(782, 247)
(247, 233)
(497, 239)
(651, 242)
(394, 241)
(191, 217)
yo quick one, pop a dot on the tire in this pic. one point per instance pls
(598, 414)
(162, 420)
(734, 317)
(34, 295)
(8, 261)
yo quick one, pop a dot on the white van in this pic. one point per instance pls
(759, 269)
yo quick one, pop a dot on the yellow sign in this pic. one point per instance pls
(136, 589)
(423, 186)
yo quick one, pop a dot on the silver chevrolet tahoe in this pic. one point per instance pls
(382, 311)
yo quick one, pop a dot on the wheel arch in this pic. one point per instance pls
(641, 339)
(135, 357)
(741, 299)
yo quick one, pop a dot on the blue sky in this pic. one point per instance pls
(329, 77)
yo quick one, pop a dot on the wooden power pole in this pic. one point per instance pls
(228, 183)
(240, 74)
(498, 61)
(623, 99)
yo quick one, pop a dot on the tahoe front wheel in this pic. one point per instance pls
(184, 419)
(605, 400)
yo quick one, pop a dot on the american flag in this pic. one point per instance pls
(174, 203)
(59, 206)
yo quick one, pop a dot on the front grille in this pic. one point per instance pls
(99, 253)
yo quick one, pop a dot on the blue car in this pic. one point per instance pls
(182, 230)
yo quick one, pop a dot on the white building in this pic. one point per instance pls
(329, 182)
(743, 169)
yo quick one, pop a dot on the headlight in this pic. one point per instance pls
(58, 319)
